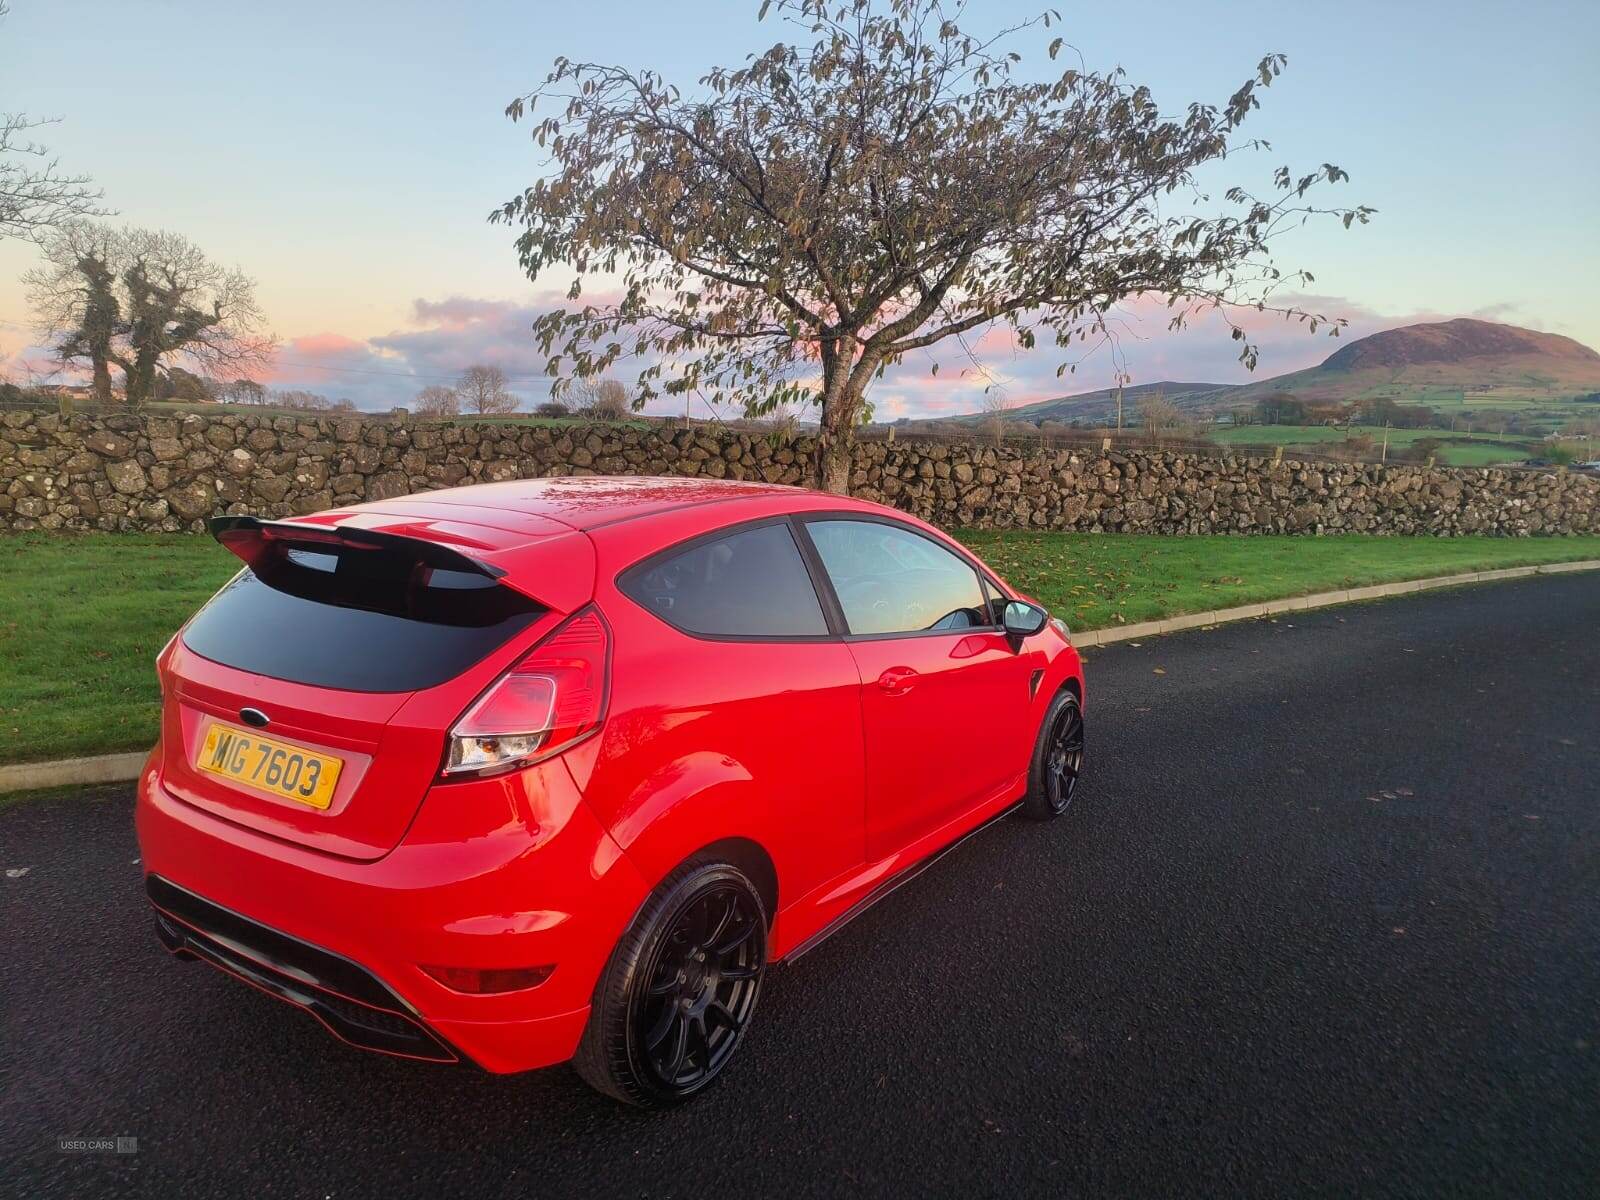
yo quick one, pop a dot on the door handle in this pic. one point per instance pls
(897, 680)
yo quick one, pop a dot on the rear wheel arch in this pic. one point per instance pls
(752, 859)
(714, 796)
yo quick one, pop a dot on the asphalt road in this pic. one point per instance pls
(1324, 919)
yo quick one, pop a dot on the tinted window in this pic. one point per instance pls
(749, 584)
(346, 620)
(891, 580)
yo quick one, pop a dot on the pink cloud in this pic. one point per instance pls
(446, 336)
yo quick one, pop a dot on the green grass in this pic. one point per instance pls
(1481, 456)
(81, 621)
(1097, 580)
(83, 617)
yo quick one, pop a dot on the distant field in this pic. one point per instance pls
(1484, 449)
(1482, 455)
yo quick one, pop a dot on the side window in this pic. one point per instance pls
(890, 580)
(749, 584)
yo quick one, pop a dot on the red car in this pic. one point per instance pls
(553, 769)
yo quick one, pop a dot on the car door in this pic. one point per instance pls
(738, 699)
(944, 695)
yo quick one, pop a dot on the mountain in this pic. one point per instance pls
(1462, 363)
(1458, 341)
(1459, 363)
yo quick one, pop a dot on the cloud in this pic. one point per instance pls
(451, 335)
(1139, 344)
(442, 339)
(445, 336)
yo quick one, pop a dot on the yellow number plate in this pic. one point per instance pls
(289, 771)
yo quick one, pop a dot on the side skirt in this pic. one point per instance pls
(889, 885)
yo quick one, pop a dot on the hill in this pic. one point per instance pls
(1462, 363)
(1101, 405)
(1456, 341)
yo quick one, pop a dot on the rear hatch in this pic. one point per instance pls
(286, 698)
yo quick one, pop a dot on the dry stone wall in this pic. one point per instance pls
(170, 472)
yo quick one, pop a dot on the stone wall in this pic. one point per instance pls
(170, 472)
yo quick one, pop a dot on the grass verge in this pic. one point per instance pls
(83, 617)
(1093, 581)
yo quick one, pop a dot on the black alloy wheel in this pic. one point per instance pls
(679, 992)
(702, 991)
(1057, 759)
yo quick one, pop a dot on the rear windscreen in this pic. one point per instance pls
(360, 620)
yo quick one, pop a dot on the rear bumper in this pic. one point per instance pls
(512, 872)
(353, 1003)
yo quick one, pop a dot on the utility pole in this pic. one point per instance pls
(1119, 408)
(1385, 457)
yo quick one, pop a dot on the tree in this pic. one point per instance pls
(438, 402)
(74, 298)
(1161, 417)
(143, 301)
(811, 218)
(552, 408)
(482, 390)
(35, 197)
(178, 384)
(600, 399)
(298, 398)
(244, 391)
(1281, 408)
(995, 407)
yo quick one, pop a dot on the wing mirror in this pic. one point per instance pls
(1023, 620)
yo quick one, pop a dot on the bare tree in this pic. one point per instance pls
(995, 406)
(1161, 417)
(482, 390)
(298, 398)
(438, 402)
(831, 206)
(143, 301)
(75, 302)
(785, 419)
(600, 399)
(35, 196)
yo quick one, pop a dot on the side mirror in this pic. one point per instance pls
(1023, 620)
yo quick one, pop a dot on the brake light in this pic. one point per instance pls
(552, 699)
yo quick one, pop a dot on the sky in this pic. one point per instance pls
(346, 153)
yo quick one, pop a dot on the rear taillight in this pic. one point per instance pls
(161, 665)
(553, 698)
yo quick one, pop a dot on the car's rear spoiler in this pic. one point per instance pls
(255, 541)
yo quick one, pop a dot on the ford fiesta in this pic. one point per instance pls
(554, 769)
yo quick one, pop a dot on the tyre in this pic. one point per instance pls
(1057, 759)
(676, 997)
